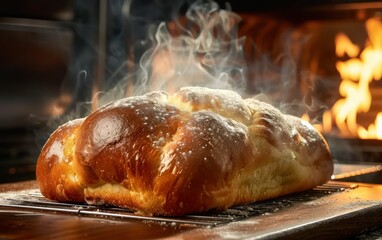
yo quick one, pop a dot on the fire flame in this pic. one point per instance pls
(356, 73)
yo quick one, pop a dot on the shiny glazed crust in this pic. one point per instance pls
(196, 150)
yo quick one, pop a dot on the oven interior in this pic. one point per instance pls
(60, 57)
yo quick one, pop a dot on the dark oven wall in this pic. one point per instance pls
(38, 64)
(55, 57)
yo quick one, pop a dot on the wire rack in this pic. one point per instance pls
(32, 200)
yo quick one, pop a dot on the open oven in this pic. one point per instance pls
(321, 61)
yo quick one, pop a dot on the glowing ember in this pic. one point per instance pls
(356, 73)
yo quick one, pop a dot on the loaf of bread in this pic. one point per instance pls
(196, 150)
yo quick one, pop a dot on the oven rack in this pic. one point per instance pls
(32, 200)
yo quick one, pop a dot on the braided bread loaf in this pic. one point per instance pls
(195, 150)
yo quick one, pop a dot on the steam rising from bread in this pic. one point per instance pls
(210, 56)
(206, 52)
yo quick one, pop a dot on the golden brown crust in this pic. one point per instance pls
(56, 169)
(190, 152)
